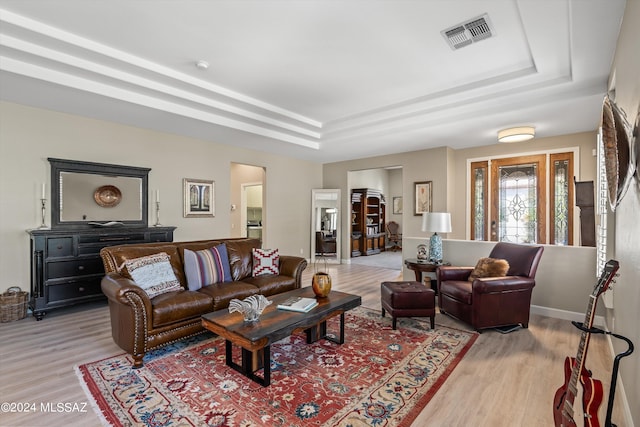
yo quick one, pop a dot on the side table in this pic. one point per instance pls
(419, 267)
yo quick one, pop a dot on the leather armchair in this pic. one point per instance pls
(492, 301)
(325, 244)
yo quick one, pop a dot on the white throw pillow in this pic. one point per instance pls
(153, 274)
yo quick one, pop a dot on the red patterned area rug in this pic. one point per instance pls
(378, 377)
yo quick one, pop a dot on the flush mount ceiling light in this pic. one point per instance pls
(518, 134)
(202, 65)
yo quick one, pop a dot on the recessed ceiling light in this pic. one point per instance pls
(518, 134)
(202, 65)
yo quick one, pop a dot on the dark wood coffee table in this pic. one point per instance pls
(255, 338)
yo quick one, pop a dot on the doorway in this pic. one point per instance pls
(389, 182)
(248, 201)
(251, 210)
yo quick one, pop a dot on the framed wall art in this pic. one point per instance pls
(397, 205)
(422, 197)
(198, 198)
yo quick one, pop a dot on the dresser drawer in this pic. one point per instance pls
(112, 239)
(76, 267)
(159, 237)
(74, 290)
(92, 249)
(60, 247)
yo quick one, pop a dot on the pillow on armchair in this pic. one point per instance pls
(489, 267)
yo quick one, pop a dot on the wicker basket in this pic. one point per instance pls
(13, 304)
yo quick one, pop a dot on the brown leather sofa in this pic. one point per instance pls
(492, 301)
(140, 323)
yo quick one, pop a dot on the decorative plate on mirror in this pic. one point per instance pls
(616, 139)
(107, 196)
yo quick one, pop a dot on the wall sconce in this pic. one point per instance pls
(518, 134)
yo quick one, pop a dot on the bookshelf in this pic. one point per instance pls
(368, 213)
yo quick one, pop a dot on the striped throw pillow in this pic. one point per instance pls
(206, 267)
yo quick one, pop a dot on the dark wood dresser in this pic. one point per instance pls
(66, 268)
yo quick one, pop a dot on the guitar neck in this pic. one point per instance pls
(582, 352)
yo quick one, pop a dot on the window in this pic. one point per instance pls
(479, 174)
(509, 199)
(561, 199)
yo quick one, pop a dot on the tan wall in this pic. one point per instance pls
(624, 319)
(28, 136)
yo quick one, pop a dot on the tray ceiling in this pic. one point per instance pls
(318, 80)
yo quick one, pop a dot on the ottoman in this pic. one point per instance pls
(408, 299)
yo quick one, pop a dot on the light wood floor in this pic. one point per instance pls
(504, 380)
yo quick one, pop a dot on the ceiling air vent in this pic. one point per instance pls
(468, 32)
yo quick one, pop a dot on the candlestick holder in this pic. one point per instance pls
(43, 202)
(157, 224)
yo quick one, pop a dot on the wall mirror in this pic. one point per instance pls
(86, 194)
(325, 225)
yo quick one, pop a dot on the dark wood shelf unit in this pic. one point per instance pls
(66, 268)
(368, 213)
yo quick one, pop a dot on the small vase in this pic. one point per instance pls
(321, 284)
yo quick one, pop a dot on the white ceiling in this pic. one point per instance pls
(319, 80)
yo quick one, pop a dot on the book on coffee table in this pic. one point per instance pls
(300, 304)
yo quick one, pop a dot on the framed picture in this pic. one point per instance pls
(397, 205)
(422, 194)
(198, 198)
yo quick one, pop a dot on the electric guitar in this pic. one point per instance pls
(574, 368)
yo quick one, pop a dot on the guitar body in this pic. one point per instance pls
(591, 398)
(560, 419)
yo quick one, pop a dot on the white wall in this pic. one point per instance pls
(28, 136)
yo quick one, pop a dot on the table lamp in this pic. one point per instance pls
(436, 222)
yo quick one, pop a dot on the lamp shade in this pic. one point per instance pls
(518, 134)
(436, 222)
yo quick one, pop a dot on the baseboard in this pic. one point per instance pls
(600, 322)
(566, 315)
